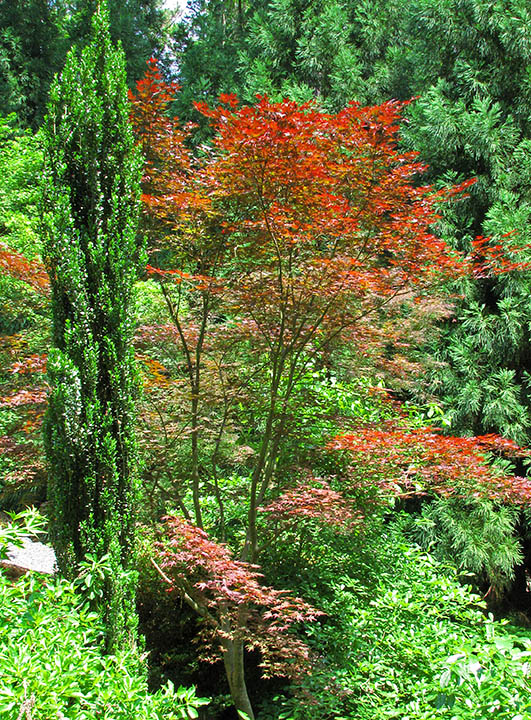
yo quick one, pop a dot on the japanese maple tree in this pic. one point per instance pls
(238, 611)
(286, 235)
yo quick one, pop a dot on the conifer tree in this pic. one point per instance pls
(140, 25)
(472, 120)
(35, 36)
(206, 44)
(302, 49)
(32, 47)
(91, 251)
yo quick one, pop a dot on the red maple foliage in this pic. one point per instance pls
(239, 612)
(315, 500)
(30, 364)
(31, 272)
(422, 461)
(171, 185)
(25, 396)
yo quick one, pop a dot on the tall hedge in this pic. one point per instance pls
(92, 254)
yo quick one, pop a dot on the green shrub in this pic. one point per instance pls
(415, 646)
(52, 663)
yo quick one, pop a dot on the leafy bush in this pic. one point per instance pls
(415, 646)
(52, 664)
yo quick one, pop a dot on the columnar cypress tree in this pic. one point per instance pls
(92, 255)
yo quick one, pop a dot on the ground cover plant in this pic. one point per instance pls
(411, 642)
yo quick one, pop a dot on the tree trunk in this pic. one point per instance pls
(233, 660)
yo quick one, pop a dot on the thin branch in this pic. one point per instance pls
(181, 583)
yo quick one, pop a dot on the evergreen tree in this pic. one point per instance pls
(35, 36)
(312, 49)
(140, 25)
(206, 45)
(92, 180)
(32, 47)
(472, 119)
(302, 49)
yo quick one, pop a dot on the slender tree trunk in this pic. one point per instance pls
(193, 367)
(248, 553)
(195, 454)
(233, 659)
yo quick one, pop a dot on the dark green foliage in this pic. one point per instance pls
(315, 50)
(206, 45)
(302, 49)
(91, 251)
(401, 638)
(32, 46)
(479, 536)
(140, 25)
(472, 119)
(35, 36)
